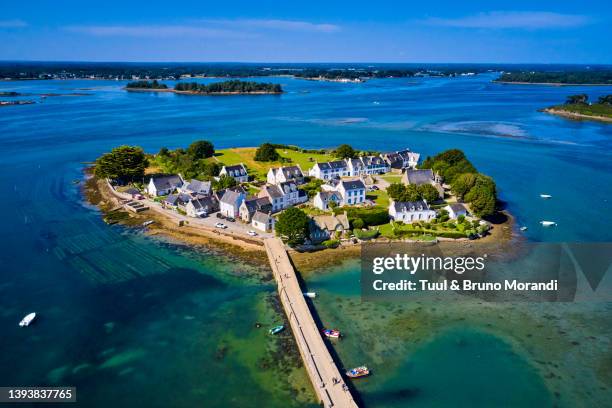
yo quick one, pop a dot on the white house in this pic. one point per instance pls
(230, 203)
(352, 192)
(238, 172)
(402, 159)
(455, 210)
(164, 185)
(263, 221)
(324, 198)
(201, 206)
(250, 205)
(283, 195)
(367, 165)
(329, 170)
(411, 211)
(285, 174)
(196, 187)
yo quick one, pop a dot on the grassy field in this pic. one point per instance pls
(260, 169)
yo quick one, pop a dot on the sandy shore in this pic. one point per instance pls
(98, 193)
(576, 116)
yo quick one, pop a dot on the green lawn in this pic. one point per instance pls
(391, 178)
(260, 169)
(380, 197)
(417, 232)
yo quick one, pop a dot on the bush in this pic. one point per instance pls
(357, 223)
(370, 216)
(365, 235)
(451, 234)
(331, 243)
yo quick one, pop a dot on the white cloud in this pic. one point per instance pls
(276, 24)
(155, 31)
(513, 19)
(13, 24)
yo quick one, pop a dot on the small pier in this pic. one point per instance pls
(326, 379)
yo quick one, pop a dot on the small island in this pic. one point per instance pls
(232, 87)
(558, 78)
(578, 107)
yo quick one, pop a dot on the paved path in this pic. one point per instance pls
(322, 370)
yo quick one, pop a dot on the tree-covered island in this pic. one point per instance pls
(590, 77)
(232, 87)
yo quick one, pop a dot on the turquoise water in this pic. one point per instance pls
(122, 316)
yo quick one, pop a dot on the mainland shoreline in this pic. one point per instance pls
(576, 116)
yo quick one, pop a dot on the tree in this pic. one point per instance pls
(428, 193)
(125, 163)
(345, 152)
(164, 152)
(210, 169)
(224, 182)
(292, 226)
(410, 193)
(605, 100)
(483, 196)
(266, 153)
(201, 149)
(463, 183)
(395, 191)
(580, 99)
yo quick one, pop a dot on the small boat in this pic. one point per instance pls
(27, 320)
(147, 223)
(545, 196)
(358, 372)
(523, 228)
(311, 295)
(376, 103)
(277, 329)
(548, 223)
(332, 333)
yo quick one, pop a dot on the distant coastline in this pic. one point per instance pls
(546, 83)
(169, 90)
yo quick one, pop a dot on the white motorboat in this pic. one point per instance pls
(545, 196)
(548, 223)
(27, 320)
(310, 295)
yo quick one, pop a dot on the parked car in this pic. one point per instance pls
(221, 225)
(375, 188)
(252, 233)
(219, 215)
(230, 219)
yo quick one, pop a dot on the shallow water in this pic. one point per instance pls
(161, 324)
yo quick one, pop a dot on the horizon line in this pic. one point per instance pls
(300, 62)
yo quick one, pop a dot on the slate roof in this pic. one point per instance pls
(327, 195)
(177, 199)
(456, 207)
(166, 182)
(254, 204)
(260, 216)
(410, 206)
(418, 177)
(291, 172)
(352, 184)
(204, 203)
(333, 165)
(230, 197)
(198, 186)
(236, 170)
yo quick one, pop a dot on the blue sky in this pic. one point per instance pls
(262, 31)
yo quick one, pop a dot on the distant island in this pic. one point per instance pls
(578, 107)
(233, 87)
(594, 77)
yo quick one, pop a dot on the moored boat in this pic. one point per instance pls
(332, 333)
(545, 196)
(548, 223)
(276, 329)
(147, 223)
(357, 372)
(523, 228)
(310, 295)
(27, 320)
